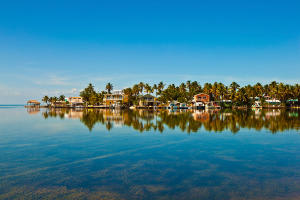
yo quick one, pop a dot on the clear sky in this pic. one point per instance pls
(54, 47)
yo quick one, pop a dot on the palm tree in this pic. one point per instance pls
(155, 89)
(160, 87)
(45, 99)
(109, 87)
(273, 88)
(233, 87)
(141, 87)
(53, 100)
(221, 90)
(148, 88)
(214, 91)
(241, 97)
(136, 90)
(296, 91)
(61, 98)
(207, 88)
(259, 90)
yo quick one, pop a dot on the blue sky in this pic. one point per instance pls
(55, 47)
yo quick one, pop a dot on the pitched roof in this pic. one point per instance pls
(33, 101)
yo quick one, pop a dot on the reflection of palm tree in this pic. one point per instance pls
(144, 120)
(109, 126)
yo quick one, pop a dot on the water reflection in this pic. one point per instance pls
(186, 120)
(57, 158)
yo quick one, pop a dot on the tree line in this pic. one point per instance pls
(184, 93)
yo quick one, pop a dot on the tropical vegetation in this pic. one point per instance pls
(184, 92)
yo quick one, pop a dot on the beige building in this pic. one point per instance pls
(116, 98)
(147, 100)
(75, 101)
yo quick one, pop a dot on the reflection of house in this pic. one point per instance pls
(201, 116)
(272, 113)
(116, 98)
(147, 100)
(75, 114)
(75, 101)
(114, 116)
(33, 103)
(33, 110)
(59, 104)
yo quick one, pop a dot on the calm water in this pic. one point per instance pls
(86, 154)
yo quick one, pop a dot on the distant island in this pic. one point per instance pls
(189, 95)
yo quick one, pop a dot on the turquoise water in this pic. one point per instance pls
(85, 154)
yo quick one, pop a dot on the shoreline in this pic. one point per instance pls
(158, 108)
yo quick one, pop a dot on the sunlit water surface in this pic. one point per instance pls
(75, 154)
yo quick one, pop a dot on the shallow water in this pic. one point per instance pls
(98, 154)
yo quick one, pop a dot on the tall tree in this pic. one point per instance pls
(89, 94)
(155, 89)
(147, 88)
(233, 88)
(45, 99)
(141, 87)
(160, 87)
(61, 98)
(136, 90)
(109, 87)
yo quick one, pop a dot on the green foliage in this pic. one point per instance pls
(228, 119)
(109, 87)
(184, 93)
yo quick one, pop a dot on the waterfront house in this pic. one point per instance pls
(200, 100)
(272, 101)
(202, 97)
(33, 103)
(75, 101)
(147, 100)
(174, 105)
(116, 98)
